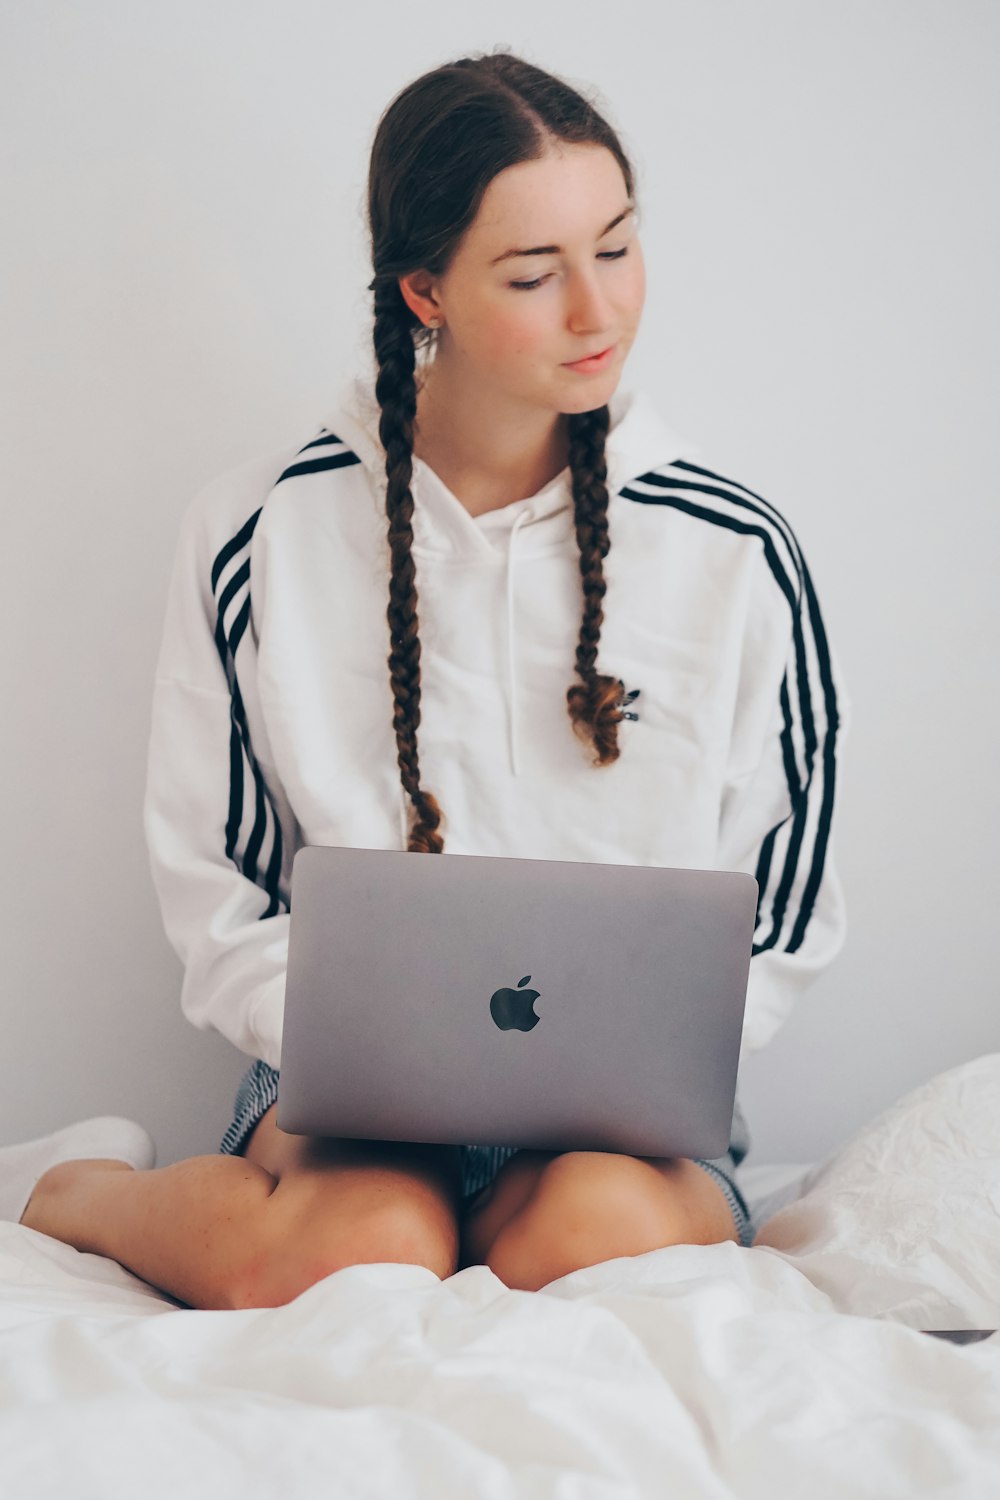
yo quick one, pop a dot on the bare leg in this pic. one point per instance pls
(185, 1228)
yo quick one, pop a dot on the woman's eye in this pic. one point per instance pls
(527, 286)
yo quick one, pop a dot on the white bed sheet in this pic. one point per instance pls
(791, 1369)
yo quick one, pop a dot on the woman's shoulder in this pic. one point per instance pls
(666, 466)
(231, 503)
(667, 477)
(231, 499)
(709, 494)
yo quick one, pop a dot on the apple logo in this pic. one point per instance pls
(512, 1009)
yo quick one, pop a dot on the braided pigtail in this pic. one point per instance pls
(395, 389)
(439, 144)
(595, 706)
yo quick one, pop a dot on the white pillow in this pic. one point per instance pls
(903, 1222)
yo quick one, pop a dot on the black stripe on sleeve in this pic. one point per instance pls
(326, 439)
(244, 771)
(236, 544)
(829, 754)
(722, 502)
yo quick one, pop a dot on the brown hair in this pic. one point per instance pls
(438, 145)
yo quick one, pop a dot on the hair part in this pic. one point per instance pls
(438, 146)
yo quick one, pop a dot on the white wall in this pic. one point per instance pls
(183, 288)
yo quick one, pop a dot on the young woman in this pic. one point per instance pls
(618, 656)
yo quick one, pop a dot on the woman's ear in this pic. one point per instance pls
(417, 288)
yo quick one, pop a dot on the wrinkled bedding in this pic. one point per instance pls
(791, 1369)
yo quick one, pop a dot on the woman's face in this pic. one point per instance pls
(512, 323)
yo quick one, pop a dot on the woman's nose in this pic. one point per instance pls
(590, 310)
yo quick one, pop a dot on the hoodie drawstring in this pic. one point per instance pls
(511, 676)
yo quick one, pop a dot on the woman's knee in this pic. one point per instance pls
(597, 1206)
(310, 1234)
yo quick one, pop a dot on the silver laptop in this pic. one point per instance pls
(473, 999)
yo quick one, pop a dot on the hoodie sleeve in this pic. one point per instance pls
(776, 819)
(219, 831)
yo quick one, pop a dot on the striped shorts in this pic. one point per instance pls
(258, 1090)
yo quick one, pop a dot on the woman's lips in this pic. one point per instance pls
(593, 362)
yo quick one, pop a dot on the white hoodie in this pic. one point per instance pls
(272, 717)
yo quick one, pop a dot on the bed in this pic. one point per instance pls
(795, 1368)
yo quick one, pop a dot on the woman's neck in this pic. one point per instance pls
(488, 453)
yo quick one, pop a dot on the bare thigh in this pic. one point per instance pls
(337, 1190)
(697, 1196)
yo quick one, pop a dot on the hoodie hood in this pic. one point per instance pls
(638, 440)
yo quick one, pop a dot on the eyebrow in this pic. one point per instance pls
(557, 249)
